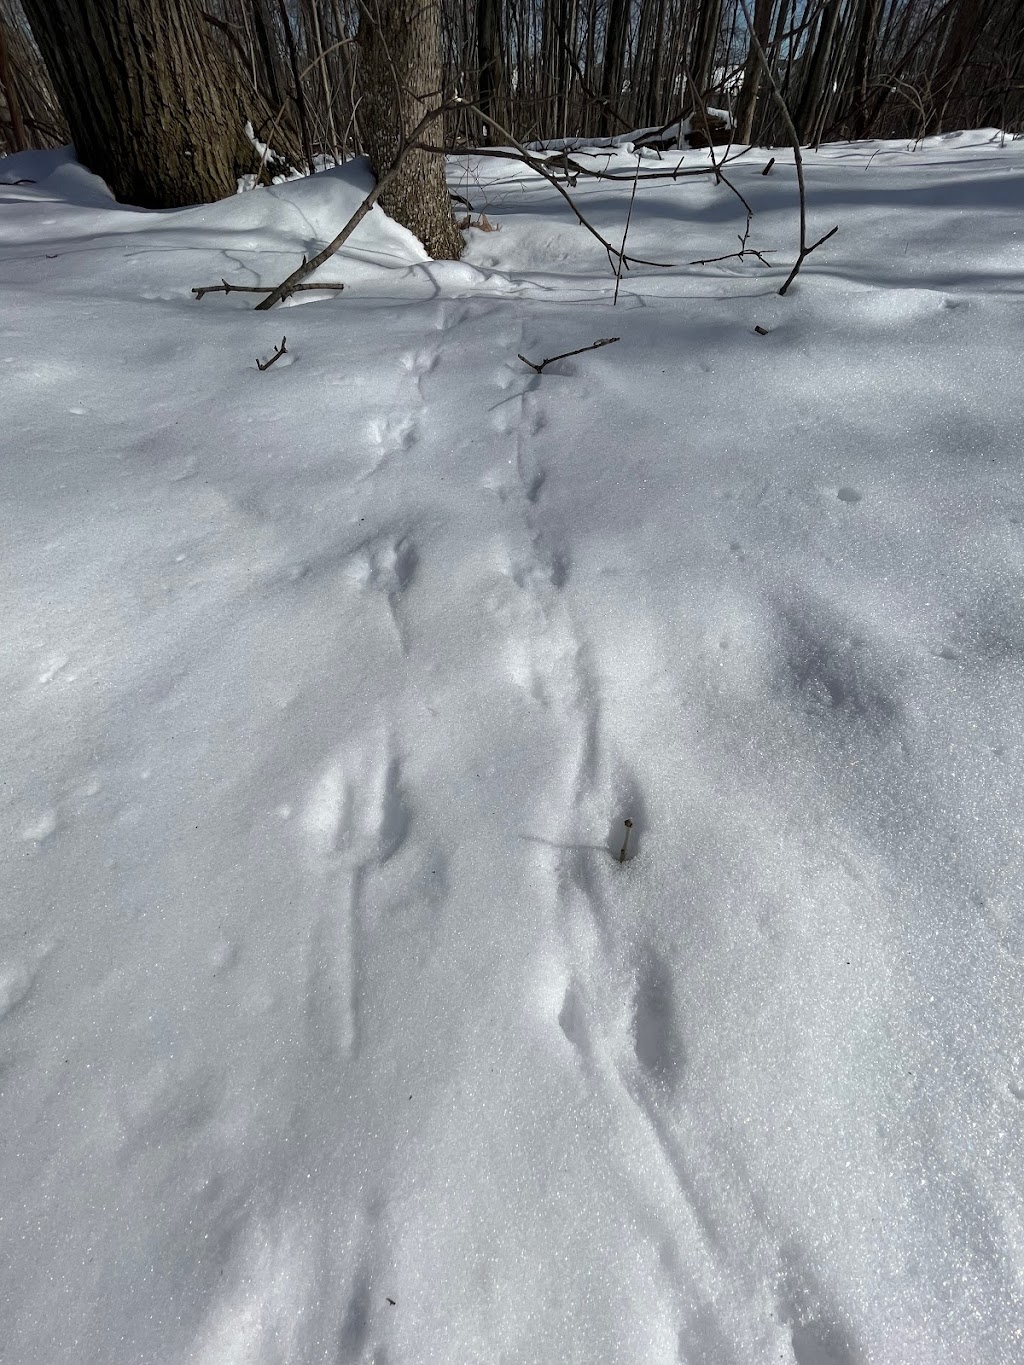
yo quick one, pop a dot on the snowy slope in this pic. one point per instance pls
(331, 1027)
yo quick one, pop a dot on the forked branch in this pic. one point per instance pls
(539, 366)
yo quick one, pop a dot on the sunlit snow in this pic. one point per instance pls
(332, 1027)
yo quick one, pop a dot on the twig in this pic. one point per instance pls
(625, 234)
(798, 159)
(768, 169)
(625, 843)
(605, 341)
(225, 288)
(738, 256)
(744, 249)
(281, 350)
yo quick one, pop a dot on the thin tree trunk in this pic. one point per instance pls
(614, 48)
(491, 68)
(746, 105)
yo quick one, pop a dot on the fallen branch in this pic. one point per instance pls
(536, 161)
(738, 255)
(605, 341)
(744, 249)
(539, 166)
(225, 288)
(281, 350)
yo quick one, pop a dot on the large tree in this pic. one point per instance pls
(152, 107)
(400, 57)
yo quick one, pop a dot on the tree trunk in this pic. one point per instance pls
(400, 53)
(18, 139)
(611, 68)
(152, 107)
(489, 58)
(746, 105)
(807, 115)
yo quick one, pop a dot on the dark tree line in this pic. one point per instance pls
(157, 93)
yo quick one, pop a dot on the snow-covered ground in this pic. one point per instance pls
(332, 1027)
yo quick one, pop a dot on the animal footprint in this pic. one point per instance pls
(419, 363)
(356, 814)
(393, 435)
(354, 820)
(393, 565)
(656, 1039)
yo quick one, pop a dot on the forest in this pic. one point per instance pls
(581, 68)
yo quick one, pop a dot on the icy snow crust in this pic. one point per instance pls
(332, 1028)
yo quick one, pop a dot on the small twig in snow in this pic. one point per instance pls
(768, 169)
(625, 234)
(281, 350)
(625, 842)
(225, 288)
(605, 341)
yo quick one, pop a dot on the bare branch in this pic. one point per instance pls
(225, 288)
(278, 353)
(539, 367)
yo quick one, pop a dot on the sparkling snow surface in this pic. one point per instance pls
(331, 1027)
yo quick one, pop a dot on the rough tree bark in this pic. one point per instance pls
(746, 105)
(400, 57)
(151, 106)
(611, 68)
(491, 77)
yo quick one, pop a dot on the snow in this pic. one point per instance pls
(331, 1026)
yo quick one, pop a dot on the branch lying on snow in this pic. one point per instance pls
(278, 353)
(530, 160)
(605, 341)
(225, 288)
(744, 249)
(561, 162)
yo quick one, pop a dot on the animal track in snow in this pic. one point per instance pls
(833, 672)
(16, 981)
(571, 1020)
(355, 818)
(421, 362)
(388, 565)
(656, 1039)
(393, 435)
(355, 811)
